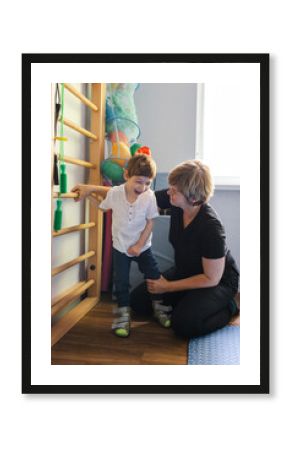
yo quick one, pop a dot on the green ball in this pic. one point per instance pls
(134, 148)
(112, 170)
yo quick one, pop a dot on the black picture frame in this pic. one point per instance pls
(263, 61)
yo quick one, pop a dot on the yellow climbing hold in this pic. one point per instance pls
(61, 138)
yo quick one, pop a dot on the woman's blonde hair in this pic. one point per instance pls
(194, 180)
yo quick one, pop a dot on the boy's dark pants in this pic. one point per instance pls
(121, 267)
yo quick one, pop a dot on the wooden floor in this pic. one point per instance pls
(91, 341)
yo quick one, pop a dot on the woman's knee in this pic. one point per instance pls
(190, 326)
(186, 326)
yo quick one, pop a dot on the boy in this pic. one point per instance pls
(134, 207)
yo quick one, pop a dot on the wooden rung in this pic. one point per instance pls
(80, 96)
(81, 130)
(79, 162)
(71, 318)
(67, 195)
(71, 263)
(82, 226)
(65, 298)
(60, 296)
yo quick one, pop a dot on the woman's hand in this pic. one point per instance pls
(158, 286)
(83, 191)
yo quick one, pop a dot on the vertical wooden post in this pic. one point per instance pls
(96, 156)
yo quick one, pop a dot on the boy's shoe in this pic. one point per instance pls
(121, 325)
(162, 313)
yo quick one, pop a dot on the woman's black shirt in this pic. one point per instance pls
(203, 237)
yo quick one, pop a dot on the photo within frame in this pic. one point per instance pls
(142, 210)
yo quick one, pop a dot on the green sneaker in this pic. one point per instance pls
(162, 313)
(121, 325)
(122, 332)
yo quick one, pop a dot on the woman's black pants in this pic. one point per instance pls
(195, 312)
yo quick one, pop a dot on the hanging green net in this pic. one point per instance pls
(121, 116)
(122, 130)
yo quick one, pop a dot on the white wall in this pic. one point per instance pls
(166, 114)
(69, 246)
(227, 205)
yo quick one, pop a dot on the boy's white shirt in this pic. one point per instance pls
(129, 219)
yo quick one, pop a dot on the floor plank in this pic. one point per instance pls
(91, 341)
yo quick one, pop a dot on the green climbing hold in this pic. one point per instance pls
(63, 179)
(58, 216)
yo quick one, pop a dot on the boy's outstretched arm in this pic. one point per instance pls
(85, 190)
(135, 249)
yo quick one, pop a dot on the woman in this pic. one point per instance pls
(201, 287)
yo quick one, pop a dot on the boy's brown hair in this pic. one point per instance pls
(141, 165)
